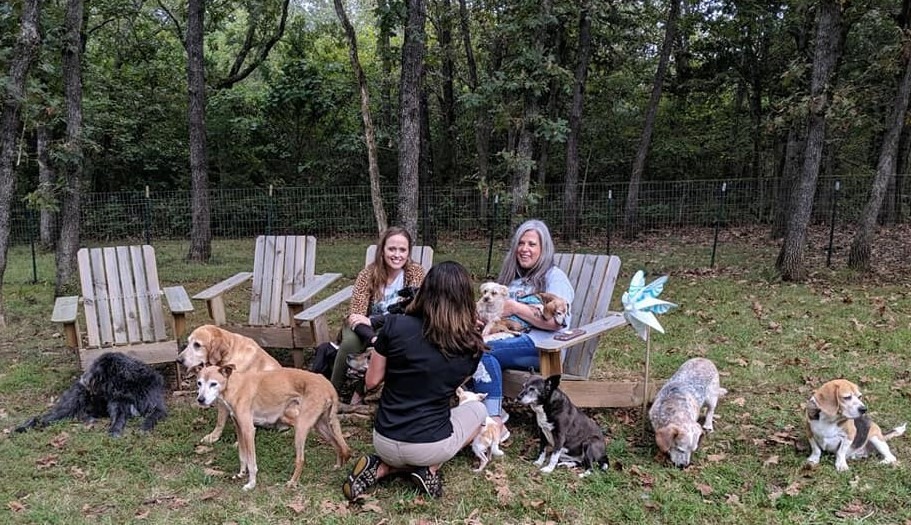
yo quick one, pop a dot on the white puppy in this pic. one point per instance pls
(490, 310)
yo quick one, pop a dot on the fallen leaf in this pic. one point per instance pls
(732, 499)
(297, 506)
(855, 509)
(793, 489)
(739, 401)
(143, 514)
(715, 458)
(60, 440)
(771, 460)
(47, 461)
(15, 506)
(704, 489)
(202, 449)
(214, 472)
(371, 506)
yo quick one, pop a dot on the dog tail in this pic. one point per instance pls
(31, 423)
(895, 432)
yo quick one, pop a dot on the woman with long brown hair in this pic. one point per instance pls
(421, 358)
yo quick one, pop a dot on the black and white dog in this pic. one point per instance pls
(572, 437)
(116, 386)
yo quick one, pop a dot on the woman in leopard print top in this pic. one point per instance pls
(375, 288)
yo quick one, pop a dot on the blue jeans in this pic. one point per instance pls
(512, 353)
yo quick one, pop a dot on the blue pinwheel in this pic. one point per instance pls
(641, 303)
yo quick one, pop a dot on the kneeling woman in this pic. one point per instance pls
(421, 358)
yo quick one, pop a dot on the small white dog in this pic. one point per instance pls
(490, 310)
(486, 444)
(675, 412)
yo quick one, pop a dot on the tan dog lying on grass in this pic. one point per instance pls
(211, 345)
(837, 422)
(283, 397)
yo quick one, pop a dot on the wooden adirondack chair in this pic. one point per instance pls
(121, 298)
(284, 280)
(422, 255)
(593, 278)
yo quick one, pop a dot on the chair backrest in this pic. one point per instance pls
(121, 295)
(593, 278)
(282, 265)
(422, 255)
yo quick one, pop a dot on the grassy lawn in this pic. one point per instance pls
(773, 343)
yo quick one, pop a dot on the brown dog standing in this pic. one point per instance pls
(283, 397)
(211, 345)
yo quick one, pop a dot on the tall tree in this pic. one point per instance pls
(859, 257)
(829, 37)
(376, 196)
(201, 229)
(571, 184)
(410, 122)
(630, 219)
(47, 179)
(23, 55)
(446, 159)
(70, 215)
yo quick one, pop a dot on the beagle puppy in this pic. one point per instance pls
(837, 422)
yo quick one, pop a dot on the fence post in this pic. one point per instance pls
(34, 222)
(491, 225)
(832, 223)
(718, 218)
(269, 213)
(148, 218)
(610, 207)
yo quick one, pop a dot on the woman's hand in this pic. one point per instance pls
(356, 319)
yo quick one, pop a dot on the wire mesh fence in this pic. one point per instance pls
(451, 212)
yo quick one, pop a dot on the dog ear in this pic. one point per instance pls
(227, 370)
(665, 437)
(553, 382)
(216, 349)
(826, 398)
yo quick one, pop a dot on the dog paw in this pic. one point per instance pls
(249, 486)
(841, 466)
(889, 461)
(547, 470)
(208, 439)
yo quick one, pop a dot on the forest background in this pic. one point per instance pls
(524, 101)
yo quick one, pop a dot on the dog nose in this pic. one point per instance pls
(201, 400)
(862, 409)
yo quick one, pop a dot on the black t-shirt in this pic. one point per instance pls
(419, 383)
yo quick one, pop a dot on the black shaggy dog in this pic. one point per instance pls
(116, 386)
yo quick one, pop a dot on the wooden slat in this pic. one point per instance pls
(154, 295)
(128, 291)
(265, 336)
(589, 394)
(309, 257)
(313, 287)
(88, 297)
(65, 309)
(178, 300)
(273, 313)
(326, 305)
(266, 283)
(294, 278)
(115, 296)
(143, 305)
(256, 294)
(102, 301)
(159, 352)
(220, 288)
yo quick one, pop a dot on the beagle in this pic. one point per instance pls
(837, 422)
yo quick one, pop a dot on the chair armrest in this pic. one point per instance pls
(316, 285)
(324, 306)
(224, 286)
(592, 330)
(178, 300)
(65, 309)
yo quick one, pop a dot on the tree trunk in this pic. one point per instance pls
(828, 47)
(24, 53)
(384, 20)
(446, 160)
(428, 224)
(70, 216)
(410, 124)
(787, 184)
(859, 257)
(376, 196)
(571, 184)
(482, 121)
(521, 173)
(47, 178)
(630, 219)
(201, 229)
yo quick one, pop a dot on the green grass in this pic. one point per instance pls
(772, 341)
